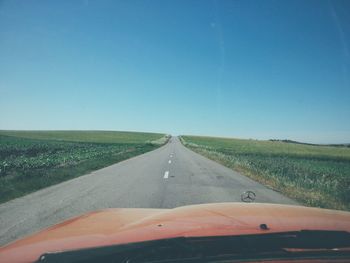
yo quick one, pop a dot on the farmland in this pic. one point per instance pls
(313, 175)
(30, 160)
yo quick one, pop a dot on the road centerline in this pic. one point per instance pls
(166, 175)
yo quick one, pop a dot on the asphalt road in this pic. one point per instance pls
(168, 177)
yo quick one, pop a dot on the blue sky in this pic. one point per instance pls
(248, 69)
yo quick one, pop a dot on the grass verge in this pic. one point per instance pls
(316, 176)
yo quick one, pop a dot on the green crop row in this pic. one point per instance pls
(314, 175)
(28, 164)
(86, 136)
(20, 155)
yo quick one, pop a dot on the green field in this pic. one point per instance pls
(87, 136)
(30, 160)
(313, 175)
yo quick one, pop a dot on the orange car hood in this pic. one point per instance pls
(125, 225)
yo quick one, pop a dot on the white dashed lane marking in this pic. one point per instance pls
(166, 175)
(169, 161)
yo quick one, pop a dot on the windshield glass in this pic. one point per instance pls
(163, 104)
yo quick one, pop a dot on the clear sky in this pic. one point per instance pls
(248, 69)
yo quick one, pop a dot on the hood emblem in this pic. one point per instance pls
(248, 196)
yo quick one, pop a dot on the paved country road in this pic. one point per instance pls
(168, 177)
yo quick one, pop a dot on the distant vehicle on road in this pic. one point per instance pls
(219, 232)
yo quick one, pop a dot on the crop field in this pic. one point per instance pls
(87, 136)
(313, 175)
(30, 160)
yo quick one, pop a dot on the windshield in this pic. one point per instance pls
(163, 104)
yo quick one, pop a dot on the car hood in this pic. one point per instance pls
(126, 225)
